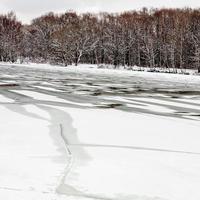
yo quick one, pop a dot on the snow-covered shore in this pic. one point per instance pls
(92, 68)
(58, 143)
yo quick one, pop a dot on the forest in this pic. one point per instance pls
(167, 38)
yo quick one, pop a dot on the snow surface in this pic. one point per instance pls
(58, 140)
(4, 99)
(27, 155)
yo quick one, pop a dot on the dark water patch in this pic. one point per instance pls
(187, 92)
(84, 90)
(9, 85)
(187, 114)
(173, 93)
(195, 115)
(89, 83)
(181, 112)
(174, 97)
(113, 88)
(97, 93)
(112, 105)
(127, 91)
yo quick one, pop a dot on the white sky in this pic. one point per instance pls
(29, 9)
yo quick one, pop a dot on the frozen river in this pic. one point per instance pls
(98, 134)
(82, 89)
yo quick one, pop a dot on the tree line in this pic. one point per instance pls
(168, 38)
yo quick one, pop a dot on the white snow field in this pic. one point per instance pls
(82, 133)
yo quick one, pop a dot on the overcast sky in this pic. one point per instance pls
(28, 9)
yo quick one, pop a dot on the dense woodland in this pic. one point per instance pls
(168, 38)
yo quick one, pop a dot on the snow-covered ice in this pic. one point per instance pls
(86, 133)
